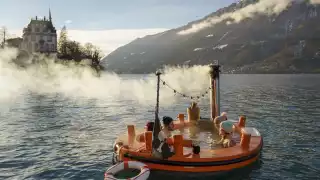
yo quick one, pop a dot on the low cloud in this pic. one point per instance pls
(107, 40)
(267, 7)
(68, 22)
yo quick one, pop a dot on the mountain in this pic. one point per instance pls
(288, 42)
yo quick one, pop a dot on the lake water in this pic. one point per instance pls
(53, 136)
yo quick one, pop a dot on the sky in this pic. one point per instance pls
(107, 24)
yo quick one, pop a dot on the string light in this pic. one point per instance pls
(184, 95)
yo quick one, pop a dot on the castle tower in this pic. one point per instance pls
(50, 19)
(40, 36)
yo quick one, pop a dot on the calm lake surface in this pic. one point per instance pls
(57, 137)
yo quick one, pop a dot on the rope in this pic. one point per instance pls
(184, 95)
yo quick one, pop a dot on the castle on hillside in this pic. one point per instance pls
(40, 36)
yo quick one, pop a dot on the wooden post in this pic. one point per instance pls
(214, 76)
(242, 121)
(245, 139)
(178, 145)
(148, 140)
(181, 118)
(131, 134)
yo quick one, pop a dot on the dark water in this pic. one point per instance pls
(54, 137)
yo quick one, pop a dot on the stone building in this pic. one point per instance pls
(15, 42)
(40, 36)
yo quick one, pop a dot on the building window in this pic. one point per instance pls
(37, 29)
(52, 47)
(33, 38)
(36, 46)
(49, 39)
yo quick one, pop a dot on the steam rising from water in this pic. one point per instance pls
(80, 82)
(267, 7)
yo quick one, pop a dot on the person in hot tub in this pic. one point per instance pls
(217, 120)
(149, 126)
(225, 131)
(164, 148)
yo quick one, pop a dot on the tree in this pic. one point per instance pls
(96, 56)
(92, 52)
(63, 40)
(3, 35)
(74, 50)
(88, 50)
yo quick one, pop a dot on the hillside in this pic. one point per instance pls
(288, 42)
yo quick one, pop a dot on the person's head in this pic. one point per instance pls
(168, 122)
(149, 126)
(226, 127)
(224, 115)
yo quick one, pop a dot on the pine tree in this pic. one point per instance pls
(63, 40)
